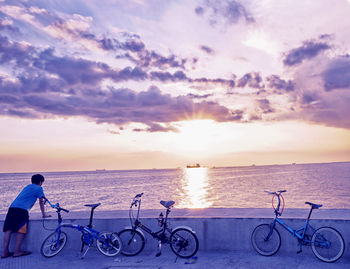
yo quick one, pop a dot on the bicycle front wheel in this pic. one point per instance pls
(133, 242)
(327, 244)
(266, 241)
(109, 244)
(184, 243)
(53, 244)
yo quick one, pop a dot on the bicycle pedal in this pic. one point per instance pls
(158, 254)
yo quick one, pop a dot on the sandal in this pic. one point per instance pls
(8, 255)
(24, 253)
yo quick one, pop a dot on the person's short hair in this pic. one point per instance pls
(37, 178)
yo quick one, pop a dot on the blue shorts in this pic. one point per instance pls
(16, 220)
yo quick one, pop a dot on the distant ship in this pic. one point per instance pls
(197, 165)
(101, 170)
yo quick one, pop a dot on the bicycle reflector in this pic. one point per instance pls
(279, 205)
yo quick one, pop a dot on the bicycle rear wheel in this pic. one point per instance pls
(263, 243)
(109, 244)
(184, 243)
(327, 244)
(133, 242)
(53, 244)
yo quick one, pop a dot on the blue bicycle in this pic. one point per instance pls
(108, 243)
(327, 243)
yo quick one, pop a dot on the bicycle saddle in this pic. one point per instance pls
(167, 204)
(93, 205)
(314, 206)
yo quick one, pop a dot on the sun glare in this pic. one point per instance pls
(197, 136)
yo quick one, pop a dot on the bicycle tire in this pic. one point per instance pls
(49, 248)
(261, 245)
(327, 244)
(133, 242)
(184, 242)
(111, 244)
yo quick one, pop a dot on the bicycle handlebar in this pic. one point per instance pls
(138, 195)
(56, 206)
(136, 199)
(278, 193)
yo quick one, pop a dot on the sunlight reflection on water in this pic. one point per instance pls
(195, 183)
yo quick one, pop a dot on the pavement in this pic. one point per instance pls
(218, 259)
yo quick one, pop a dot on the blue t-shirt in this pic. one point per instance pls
(27, 198)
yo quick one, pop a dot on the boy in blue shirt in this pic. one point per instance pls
(17, 216)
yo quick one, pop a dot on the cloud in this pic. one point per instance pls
(77, 28)
(337, 74)
(308, 50)
(39, 96)
(6, 26)
(279, 85)
(252, 80)
(321, 91)
(265, 106)
(223, 11)
(207, 49)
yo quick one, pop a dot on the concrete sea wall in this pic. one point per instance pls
(217, 229)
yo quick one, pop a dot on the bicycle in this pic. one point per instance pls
(327, 243)
(109, 244)
(183, 240)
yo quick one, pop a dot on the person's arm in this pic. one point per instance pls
(42, 207)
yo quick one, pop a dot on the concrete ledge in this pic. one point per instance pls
(217, 229)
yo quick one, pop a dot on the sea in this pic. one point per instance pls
(202, 187)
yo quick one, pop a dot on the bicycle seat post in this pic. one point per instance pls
(308, 217)
(93, 206)
(91, 217)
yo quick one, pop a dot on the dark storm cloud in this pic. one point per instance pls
(227, 11)
(337, 74)
(308, 50)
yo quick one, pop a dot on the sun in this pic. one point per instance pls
(198, 136)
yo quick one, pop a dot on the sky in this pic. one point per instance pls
(136, 84)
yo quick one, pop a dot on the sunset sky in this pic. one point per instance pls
(134, 84)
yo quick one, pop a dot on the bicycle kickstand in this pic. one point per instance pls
(159, 249)
(300, 249)
(82, 252)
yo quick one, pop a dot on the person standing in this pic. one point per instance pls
(17, 216)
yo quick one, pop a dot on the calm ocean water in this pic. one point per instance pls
(230, 187)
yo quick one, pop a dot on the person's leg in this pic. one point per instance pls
(7, 238)
(18, 245)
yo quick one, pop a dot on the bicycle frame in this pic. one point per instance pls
(160, 235)
(299, 233)
(93, 234)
